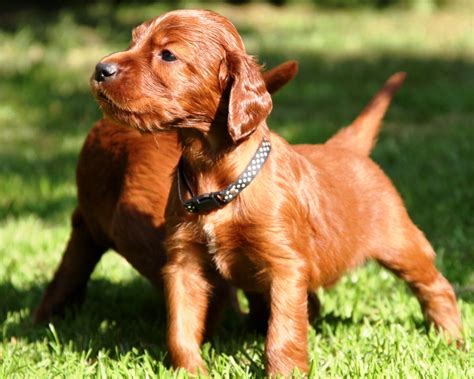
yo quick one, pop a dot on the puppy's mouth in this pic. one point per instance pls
(142, 121)
(104, 99)
(107, 103)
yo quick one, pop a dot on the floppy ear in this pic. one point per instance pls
(249, 101)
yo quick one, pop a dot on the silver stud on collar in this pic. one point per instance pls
(249, 173)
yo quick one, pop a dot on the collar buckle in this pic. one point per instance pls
(203, 203)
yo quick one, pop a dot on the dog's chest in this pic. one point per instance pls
(210, 237)
(230, 257)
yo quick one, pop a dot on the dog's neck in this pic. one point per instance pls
(213, 160)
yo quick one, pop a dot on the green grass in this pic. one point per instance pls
(371, 326)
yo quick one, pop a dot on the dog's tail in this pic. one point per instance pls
(361, 135)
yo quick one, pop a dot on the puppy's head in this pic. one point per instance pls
(184, 69)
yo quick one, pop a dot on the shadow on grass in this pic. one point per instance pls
(117, 317)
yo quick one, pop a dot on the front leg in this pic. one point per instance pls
(286, 344)
(188, 288)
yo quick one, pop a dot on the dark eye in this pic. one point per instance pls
(167, 56)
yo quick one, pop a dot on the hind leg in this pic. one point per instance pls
(414, 263)
(67, 289)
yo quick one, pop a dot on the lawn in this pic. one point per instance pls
(371, 326)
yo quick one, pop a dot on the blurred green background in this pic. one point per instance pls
(346, 50)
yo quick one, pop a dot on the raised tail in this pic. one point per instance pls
(361, 135)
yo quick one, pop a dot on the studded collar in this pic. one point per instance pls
(214, 200)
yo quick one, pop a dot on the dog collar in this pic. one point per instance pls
(215, 200)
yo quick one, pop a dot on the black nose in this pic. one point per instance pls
(105, 71)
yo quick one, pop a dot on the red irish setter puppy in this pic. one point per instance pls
(123, 181)
(247, 208)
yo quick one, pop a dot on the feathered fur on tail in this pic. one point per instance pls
(361, 135)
